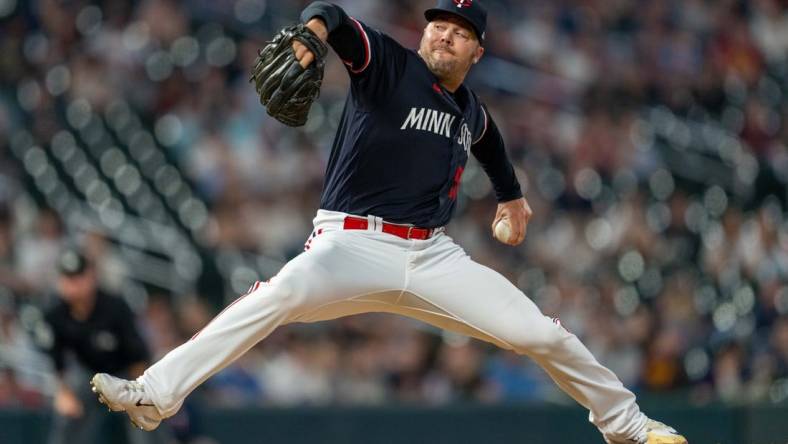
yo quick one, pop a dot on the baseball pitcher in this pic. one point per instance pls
(378, 245)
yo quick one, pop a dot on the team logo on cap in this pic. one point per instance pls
(463, 3)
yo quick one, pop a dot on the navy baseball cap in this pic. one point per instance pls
(471, 11)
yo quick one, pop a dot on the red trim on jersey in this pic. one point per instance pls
(367, 50)
(456, 183)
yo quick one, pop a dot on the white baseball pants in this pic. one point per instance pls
(345, 272)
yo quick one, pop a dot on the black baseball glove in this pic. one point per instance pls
(286, 89)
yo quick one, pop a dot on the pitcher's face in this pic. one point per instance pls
(449, 46)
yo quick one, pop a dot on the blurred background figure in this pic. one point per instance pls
(90, 331)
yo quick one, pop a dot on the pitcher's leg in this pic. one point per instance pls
(242, 324)
(336, 267)
(488, 303)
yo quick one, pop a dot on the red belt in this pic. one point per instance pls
(403, 231)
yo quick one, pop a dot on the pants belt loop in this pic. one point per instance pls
(372, 223)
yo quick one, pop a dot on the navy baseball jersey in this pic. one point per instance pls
(403, 140)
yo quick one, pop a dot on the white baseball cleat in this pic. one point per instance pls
(121, 395)
(659, 433)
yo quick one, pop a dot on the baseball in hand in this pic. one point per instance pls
(503, 232)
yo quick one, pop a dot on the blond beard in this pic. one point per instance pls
(446, 69)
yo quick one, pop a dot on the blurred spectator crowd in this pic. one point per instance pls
(651, 139)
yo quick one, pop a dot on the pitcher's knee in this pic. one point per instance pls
(287, 296)
(539, 339)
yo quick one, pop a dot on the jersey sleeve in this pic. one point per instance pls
(373, 60)
(489, 150)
